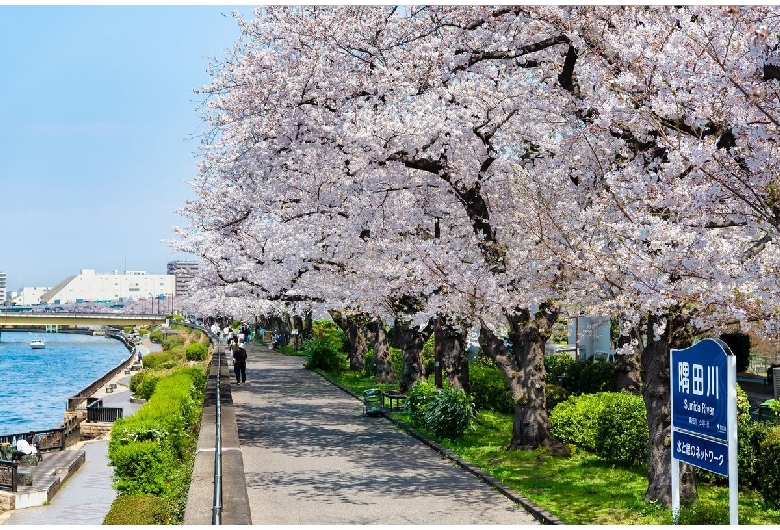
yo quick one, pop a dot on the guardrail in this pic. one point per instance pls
(49, 440)
(96, 412)
(9, 475)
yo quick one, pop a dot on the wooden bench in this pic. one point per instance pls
(391, 398)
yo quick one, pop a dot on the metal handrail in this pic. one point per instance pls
(217, 509)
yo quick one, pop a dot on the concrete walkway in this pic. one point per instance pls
(311, 456)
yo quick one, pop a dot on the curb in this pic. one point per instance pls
(540, 514)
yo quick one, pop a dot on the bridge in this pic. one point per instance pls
(79, 319)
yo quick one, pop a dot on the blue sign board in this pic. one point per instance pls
(699, 390)
(701, 452)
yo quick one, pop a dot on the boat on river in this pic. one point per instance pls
(37, 344)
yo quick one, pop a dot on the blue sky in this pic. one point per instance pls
(98, 133)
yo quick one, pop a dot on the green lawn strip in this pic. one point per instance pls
(582, 489)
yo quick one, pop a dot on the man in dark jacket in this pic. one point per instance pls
(239, 363)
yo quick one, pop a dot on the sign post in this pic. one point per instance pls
(704, 415)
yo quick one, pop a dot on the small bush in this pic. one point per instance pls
(172, 341)
(557, 366)
(369, 366)
(138, 510)
(554, 394)
(622, 434)
(449, 412)
(143, 331)
(576, 419)
(156, 360)
(143, 383)
(417, 401)
(769, 463)
(488, 387)
(156, 336)
(196, 351)
(321, 353)
(128, 329)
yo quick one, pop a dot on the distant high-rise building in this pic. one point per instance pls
(3, 279)
(184, 271)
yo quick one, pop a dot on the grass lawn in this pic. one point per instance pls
(582, 489)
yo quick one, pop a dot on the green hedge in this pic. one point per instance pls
(139, 510)
(322, 353)
(622, 434)
(196, 351)
(610, 424)
(488, 387)
(769, 463)
(151, 451)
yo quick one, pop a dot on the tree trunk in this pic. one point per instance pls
(524, 373)
(453, 354)
(411, 341)
(385, 372)
(628, 374)
(656, 391)
(354, 326)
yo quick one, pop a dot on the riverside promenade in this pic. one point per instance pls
(85, 495)
(308, 455)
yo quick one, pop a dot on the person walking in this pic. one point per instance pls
(239, 363)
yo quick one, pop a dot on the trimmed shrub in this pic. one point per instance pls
(143, 383)
(417, 401)
(196, 351)
(156, 360)
(769, 463)
(576, 419)
(557, 366)
(172, 341)
(142, 467)
(156, 336)
(143, 331)
(622, 434)
(586, 376)
(321, 353)
(139, 510)
(448, 413)
(554, 394)
(488, 387)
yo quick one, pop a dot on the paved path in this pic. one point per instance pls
(312, 457)
(84, 499)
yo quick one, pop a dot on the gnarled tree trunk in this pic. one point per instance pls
(385, 373)
(355, 327)
(524, 373)
(453, 354)
(411, 341)
(657, 393)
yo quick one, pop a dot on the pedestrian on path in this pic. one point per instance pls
(239, 363)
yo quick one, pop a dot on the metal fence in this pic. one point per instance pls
(96, 412)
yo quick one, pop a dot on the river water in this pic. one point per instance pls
(35, 384)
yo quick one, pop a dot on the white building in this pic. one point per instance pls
(88, 286)
(3, 279)
(29, 296)
(593, 335)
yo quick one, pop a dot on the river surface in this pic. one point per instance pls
(35, 384)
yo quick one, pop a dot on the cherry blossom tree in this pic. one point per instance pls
(502, 166)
